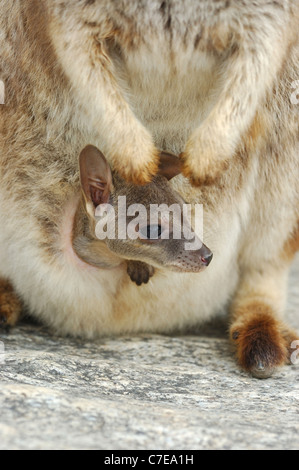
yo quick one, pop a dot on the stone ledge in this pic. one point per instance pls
(144, 392)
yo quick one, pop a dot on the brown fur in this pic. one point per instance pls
(258, 337)
(10, 304)
(140, 272)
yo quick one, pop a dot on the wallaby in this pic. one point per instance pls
(209, 81)
(99, 187)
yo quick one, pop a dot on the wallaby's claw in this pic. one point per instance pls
(139, 272)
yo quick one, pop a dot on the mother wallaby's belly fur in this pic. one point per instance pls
(170, 120)
(168, 76)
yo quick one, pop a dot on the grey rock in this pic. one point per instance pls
(145, 392)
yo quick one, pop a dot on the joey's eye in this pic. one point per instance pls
(151, 232)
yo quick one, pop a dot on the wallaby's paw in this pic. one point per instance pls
(139, 272)
(206, 156)
(202, 173)
(260, 343)
(10, 305)
(136, 168)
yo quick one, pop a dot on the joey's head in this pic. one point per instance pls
(141, 223)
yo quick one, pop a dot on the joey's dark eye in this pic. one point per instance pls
(151, 232)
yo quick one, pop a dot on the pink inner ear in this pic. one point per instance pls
(96, 195)
(99, 192)
(95, 174)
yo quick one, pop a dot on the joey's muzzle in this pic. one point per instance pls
(193, 261)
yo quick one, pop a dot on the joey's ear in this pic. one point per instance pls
(95, 176)
(170, 165)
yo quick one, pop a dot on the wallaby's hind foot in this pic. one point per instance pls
(263, 343)
(10, 305)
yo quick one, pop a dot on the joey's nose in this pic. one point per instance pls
(206, 255)
(207, 259)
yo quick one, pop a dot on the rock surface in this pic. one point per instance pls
(145, 392)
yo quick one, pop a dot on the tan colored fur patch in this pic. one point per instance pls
(220, 38)
(292, 245)
(257, 130)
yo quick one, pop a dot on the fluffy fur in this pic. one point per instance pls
(210, 80)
